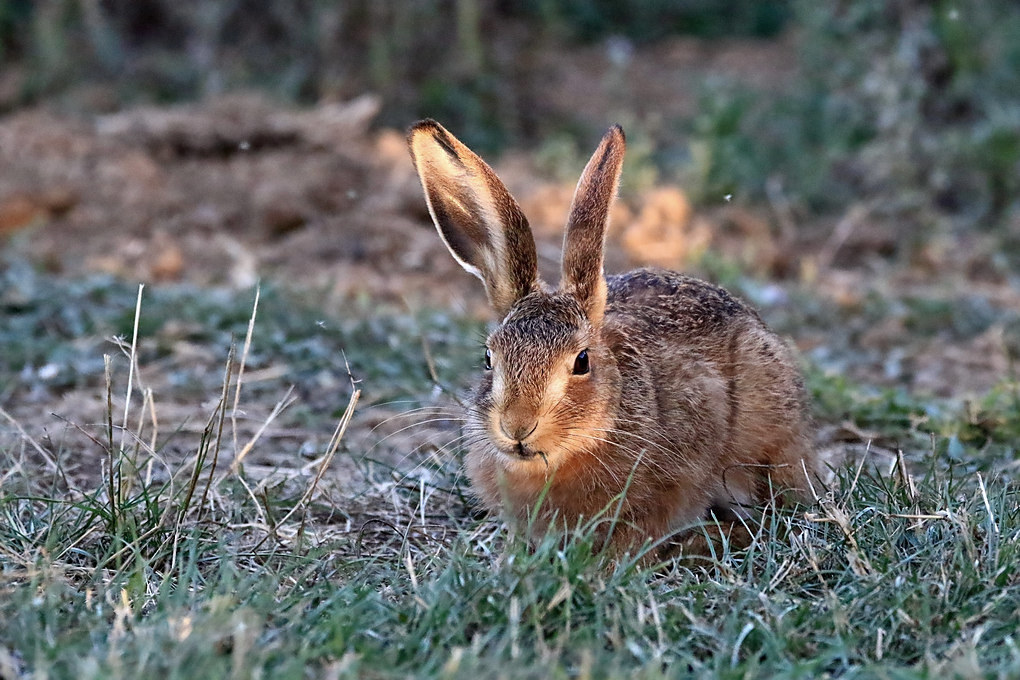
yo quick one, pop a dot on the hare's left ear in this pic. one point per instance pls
(585, 241)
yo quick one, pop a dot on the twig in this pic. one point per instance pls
(334, 444)
(905, 477)
(280, 407)
(781, 207)
(111, 483)
(844, 229)
(814, 494)
(240, 368)
(860, 466)
(35, 445)
(988, 506)
(219, 430)
(132, 358)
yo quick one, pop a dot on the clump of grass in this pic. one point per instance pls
(913, 580)
(134, 509)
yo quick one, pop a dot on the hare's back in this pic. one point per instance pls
(713, 373)
(671, 303)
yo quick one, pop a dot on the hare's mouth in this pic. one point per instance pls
(522, 451)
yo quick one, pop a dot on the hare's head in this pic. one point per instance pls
(551, 385)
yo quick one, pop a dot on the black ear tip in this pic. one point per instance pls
(426, 125)
(617, 130)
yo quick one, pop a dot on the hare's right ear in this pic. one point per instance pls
(477, 218)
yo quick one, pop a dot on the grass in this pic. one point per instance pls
(156, 557)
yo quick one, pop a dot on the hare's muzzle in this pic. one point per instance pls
(517, 430)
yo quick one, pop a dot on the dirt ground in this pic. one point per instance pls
(236, 188)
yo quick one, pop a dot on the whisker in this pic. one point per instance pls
(439, 449)
(598, 459)
(420, 423)
(670, 451)
(402, 479)
(638, 454)
(453, 413)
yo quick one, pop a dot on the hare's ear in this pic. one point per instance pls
(478, 219)
(585, 240)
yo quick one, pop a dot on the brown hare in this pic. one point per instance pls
(658, 396)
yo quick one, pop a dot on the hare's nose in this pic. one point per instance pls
(517, 428)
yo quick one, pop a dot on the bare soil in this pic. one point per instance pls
(228, 190)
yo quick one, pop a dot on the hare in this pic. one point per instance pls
(658, 396)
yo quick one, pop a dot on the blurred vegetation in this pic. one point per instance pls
(55, 333)
(910, 107)
(462, 60)
(648, 20)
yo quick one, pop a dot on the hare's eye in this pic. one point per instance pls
(488, 359)
(581, 363)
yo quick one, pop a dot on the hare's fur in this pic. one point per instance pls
(686, 406)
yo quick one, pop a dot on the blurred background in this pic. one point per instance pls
(865, 152)
(907, 110)
(858, 94)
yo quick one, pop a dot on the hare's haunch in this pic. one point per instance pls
(651, 387)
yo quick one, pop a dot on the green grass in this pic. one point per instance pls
(198, 572)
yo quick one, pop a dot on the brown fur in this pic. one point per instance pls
(478, 219)
(692, 407)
